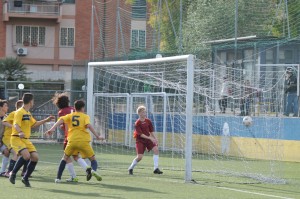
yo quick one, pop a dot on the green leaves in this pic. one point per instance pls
(207, 20)
(13, 69)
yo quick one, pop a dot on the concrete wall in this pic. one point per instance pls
(2, 33)
(269, 138)
(40, 52)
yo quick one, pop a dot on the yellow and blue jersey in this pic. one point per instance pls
(77, 122)
(24, 120)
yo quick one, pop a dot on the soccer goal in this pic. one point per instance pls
(181, 94)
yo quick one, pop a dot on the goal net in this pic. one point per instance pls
(198, 140)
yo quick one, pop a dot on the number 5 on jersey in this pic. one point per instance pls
(75, 121)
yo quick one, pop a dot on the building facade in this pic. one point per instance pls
(48, 36)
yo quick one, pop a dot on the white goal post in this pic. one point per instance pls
(189, 97)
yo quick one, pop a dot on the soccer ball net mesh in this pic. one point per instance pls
(223, 148)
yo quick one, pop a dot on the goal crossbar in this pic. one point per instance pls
(142, 61)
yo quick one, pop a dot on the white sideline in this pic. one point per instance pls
(254, 193)
(218, 187)
(226, 188)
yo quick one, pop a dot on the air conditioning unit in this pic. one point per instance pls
(22, 51)
(18, 4)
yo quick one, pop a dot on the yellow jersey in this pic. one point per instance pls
(77, 122)
(25, 121)
(8, 119)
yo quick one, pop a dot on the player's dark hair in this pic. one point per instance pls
(61, 100)
(19, 104)
(2, 102)
(79, 104)
(27, 98)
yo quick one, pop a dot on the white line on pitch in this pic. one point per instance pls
(219, 187)
(226, 188)
(48, 162)
(255, 193)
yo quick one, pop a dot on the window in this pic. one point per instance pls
(42, 33)
(270, 56)
(288, 54)
(139, 9)
(30, 35)
(138, 39)
(67, 37)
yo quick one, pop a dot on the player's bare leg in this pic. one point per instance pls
(155, 160)
(138, 158)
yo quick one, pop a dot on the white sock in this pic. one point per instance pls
(70, 167)
(82, 163)
(88, 162)
(134, 162)
(155, 161)
(5, 161)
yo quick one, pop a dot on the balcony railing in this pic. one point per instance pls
(52, 9)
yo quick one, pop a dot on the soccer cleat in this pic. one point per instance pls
(96, 175)
(72, 179)
(57, 180)
(130, 171)
(88, 173)
(26, 182)
(157, 171)
(12, 178)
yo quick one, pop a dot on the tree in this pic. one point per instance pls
(215, 19)
(13, 69)
(287, 19)
(165, 19)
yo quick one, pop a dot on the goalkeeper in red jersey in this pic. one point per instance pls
(145, 139)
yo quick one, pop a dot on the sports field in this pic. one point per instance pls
(143, 184)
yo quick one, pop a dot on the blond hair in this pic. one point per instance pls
(140, 109)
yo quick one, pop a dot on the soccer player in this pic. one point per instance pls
(21, 131)
(78, 140)
(3, 147)
(145, 139)
(62, 102)
(8, 122)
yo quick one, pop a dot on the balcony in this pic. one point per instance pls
(38, 10)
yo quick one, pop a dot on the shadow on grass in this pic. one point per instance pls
(74, 193)
(128, 188)
(45, 179)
